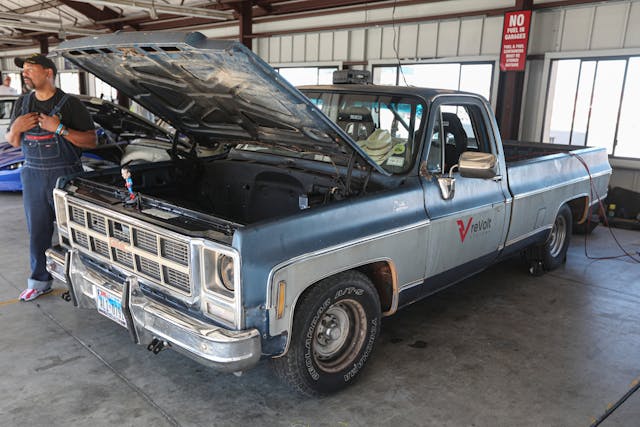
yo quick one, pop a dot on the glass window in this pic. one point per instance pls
(104, 91)
(69, 82)
(595, 102)
(387, 128)
(462, 131)
(564, 93)
(385, 75)
(15, 81)
(468, 77)
(605, 103)
(301, 76)
(627, 144)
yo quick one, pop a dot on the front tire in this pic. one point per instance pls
(335, 327)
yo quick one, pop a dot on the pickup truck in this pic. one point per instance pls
(313, 214)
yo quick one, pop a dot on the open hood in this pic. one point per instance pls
(212, 90)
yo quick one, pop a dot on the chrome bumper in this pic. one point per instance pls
(219, 348)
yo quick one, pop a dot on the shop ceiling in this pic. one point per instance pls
(25, 23)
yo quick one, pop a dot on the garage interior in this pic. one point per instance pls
(500, 348)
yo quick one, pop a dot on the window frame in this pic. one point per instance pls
(538, 126)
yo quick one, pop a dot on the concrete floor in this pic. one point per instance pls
(500, 349)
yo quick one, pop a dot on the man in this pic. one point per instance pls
(6, 88)
(52, 128)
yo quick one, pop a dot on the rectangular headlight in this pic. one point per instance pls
(220, 278)
(220, 272)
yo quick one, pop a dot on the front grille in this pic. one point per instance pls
(80, 238)
(101, 247)
(145, 240)
(122, 257)
(120, 231)
(96, 222)
(176, 279)
(178, 252)
(77, 215)
(150, 255)
(149, 267)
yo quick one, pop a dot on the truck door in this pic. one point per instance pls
(467, 230)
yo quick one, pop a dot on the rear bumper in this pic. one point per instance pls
(146, 319)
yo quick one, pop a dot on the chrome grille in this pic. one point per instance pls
(146, 241)
(77, 215)
(122, 257)
(120, 231)
(176, 279)
(148, 254)
(96, 222)
(178, 252)
(100, 247)
(80, 238)
(148, 267)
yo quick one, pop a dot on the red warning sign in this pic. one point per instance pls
(515, 39)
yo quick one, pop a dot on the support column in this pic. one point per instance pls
(245, 19)
(510, 91)
(44, 44)
(123, 100)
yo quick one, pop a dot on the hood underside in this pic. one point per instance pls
(211, 90)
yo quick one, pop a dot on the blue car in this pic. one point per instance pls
(121, 139)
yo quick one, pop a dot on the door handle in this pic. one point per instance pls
(497, 178)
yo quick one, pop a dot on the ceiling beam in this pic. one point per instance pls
(69, 29)
(28, 18)
(156, 8)
(37, 7)
(17, 42)
(95, 14)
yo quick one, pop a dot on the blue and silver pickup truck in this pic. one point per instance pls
(312, 213)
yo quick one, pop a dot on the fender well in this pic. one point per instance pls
(579, 209)
(382, 276)
(381, 272)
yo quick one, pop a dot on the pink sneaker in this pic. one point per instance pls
(31, 294)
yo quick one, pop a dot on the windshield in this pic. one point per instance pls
(386, 127)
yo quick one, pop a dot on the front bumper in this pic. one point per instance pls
(146, 319)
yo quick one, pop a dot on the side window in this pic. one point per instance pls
(462, 130)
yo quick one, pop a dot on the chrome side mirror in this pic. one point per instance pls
(478, 165)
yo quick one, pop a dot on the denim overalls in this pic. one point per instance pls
(47, 157)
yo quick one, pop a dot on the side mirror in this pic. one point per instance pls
(478, 165)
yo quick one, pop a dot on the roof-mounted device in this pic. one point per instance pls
(351, 77)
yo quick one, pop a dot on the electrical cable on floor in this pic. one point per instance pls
(635, 385)
(594, 191)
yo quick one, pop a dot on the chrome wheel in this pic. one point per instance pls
(339, 335)
(558, 236)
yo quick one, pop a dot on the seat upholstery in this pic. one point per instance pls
(453, 149)
(357, 122)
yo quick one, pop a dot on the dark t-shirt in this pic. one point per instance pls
(73, 113)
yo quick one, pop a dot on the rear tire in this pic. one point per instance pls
(335, 327)
(554, 251)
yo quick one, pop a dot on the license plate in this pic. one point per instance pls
(110, 306)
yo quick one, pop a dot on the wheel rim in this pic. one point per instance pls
(339, 335)
(558, 236)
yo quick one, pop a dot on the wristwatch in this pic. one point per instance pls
(64, 132)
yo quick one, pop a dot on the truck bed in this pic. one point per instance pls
(515, 151)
